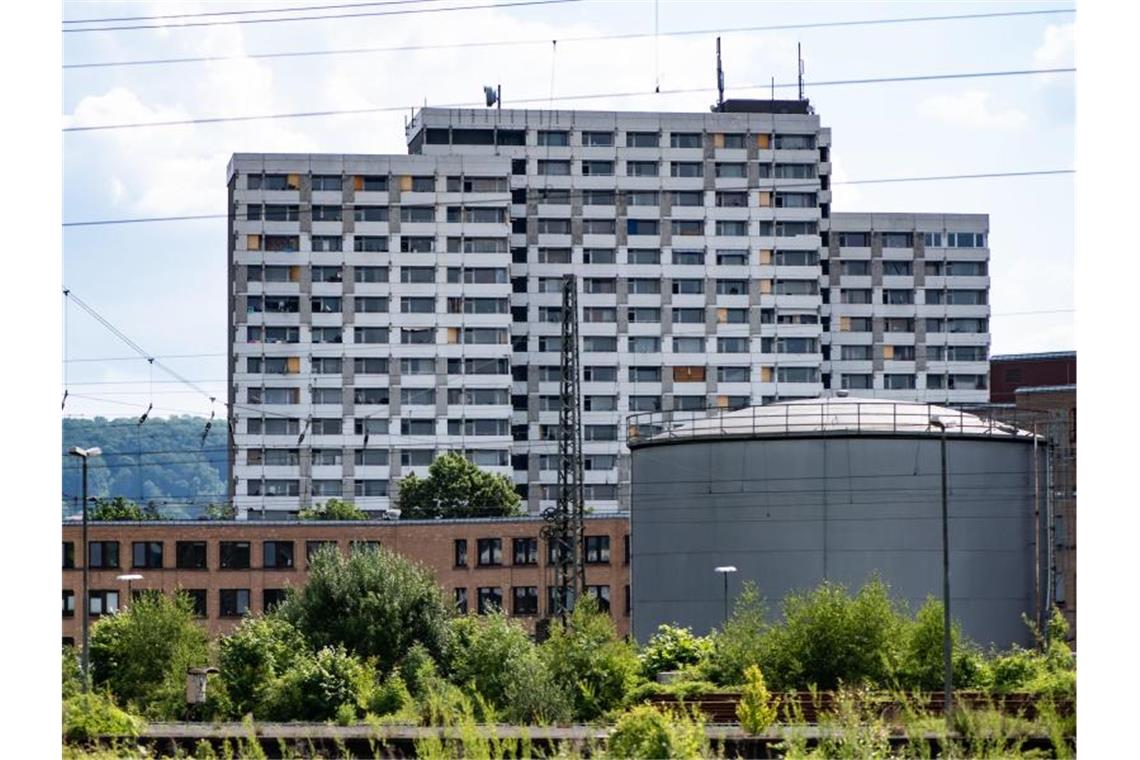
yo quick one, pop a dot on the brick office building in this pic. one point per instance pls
(230, 568)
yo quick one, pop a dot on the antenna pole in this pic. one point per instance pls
(499, 97)
(719, 79)
(800, 60)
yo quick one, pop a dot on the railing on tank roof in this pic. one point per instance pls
(832, 415)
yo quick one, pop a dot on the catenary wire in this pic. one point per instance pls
(547, 99)
(322, 17)
(577, 192)
(210, 14)
(584, 38)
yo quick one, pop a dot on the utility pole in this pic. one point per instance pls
(85, 454)
(947, 664)
(565, 528)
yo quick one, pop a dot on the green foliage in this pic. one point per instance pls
(117, 472)
(321, 687)
(454, 488)
(391, 696)
(416, 668)
(220, 511)
(72, 672)
(755, 709)
(534, 696)
(142, 652)
(1049, 670)
(119, 508)
(740, 644)
(828, 638)
(672, 647)
(254, 656)
(374, 602)
(647, 732)
(589, 661)
(333, 509)
(87, 717)
(921, 666)
(484, 650)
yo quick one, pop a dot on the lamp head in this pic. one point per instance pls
(725, 569)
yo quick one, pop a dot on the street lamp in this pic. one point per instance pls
(947, 670)
(129, 578)
(85, 454)
(725, 570)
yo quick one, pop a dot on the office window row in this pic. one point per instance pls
(191, 555)
(489, 551)
(232, 602)
(523, 599)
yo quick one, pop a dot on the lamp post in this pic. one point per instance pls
(84, 455)
(947, 667)
(725, 570)
(129, 578)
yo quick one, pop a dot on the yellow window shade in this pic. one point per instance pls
(721, 316)
(766, 286)
(718, 140)
(293, 365)
(406, 183)
(722, 401)
(845, 324)
(688, 374)
(765, 198)
(358, 183)
(452, 332)
(765, 374)
(253, 242)
(763, 141)
(294, 274)
(293, 182)
(765, 256)
(888, 352)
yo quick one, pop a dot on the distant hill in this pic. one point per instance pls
(164, 460)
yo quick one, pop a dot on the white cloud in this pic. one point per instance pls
(972, 110)
(1058, 48)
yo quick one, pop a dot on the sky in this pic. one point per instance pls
(164, 284)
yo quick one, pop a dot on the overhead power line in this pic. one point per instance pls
(545, 42)
(320, 17)
(211, 14)
(884, 180)
(547, 99)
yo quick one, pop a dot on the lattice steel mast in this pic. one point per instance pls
(565, 528)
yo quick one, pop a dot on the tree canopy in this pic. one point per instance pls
(456, 488)
(333, 509)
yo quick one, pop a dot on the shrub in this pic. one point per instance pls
(755, 710)
(316, 687)
(120, 508)
(142, 652)
(374, 602)
(589, 661)
(740, 643)
(921, 665)
(333, 509)
(646, 732)
(484, 651)
(254, 656)
(87, 717)
(72, 672)
(671, 647)
(534, 696)
(391, 696)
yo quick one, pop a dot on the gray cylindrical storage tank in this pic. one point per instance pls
(840, 489)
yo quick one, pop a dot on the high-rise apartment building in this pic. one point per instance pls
(387, 308)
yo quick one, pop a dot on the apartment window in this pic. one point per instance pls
(525, 551)
(490, 599)
(965, 240)
(855, 295)
(644, 344)
(312, 548)
(411, 305)
(597, 550)
(970, 382)
(599, 343)
(732, 287)
(683, 286)
(599, 226)
(327, 243)
(146, 554)
(591, 404)
(370, 305)
(461, 601)
(271, 597)
(734, 170)
(68, 604)
(685, 140)
(233, 555)
(932, 239)
(416, 457)
(233, 602)
(897, 382)
(325, 304)
(725, 199)
(370, 335)
(693, 227)
(643, 226)
(854, 239)
(688, 198)
(732, 345)
(794, 171)
(327, 274)
(797, 375)
(326, 182)
(362, 365)
(641, 168)
(641, 139)
(197, 600)
(732, 374)
(598, 169)
(417, 244)
(860, 268)
(855, 353)
(598, 256)
(102, 554)
(102, 602)
(370, 274)
(686, 169)
(598, 139)
(283, 243)
(553, 138)
(965, 269)
(644, 314)
(525, 600)
(370, 214)
(553, 168)
(796, 258)
(897, 268)
(688, 315)
(68, 555)
(600, 433)
(602, 595)
(688, 345)
(327, 426)
(370, 243)
(278, 554)
(898, 325)
(896, 297)
(644, 403)
(902, 353)
(595, 374)
(417, 427)
(370, 458)
(643, 256)
(856, 382)
(689, 257)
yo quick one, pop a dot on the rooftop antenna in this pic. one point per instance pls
(493, 95)
(719, 79)
(800, 59)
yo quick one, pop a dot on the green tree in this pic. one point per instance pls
(589, 661)
(333, 509)
(741, 642)
(922, 666)
(254, 656)
(456, 488)
(119, 508)
(755, 710)
(647, 732)
(331, 683)
(672, 647)
(374, 602)
(142, 652)
(483, 650)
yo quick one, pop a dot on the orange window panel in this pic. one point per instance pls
(766, 286)
(763, 141)
(293, 181)
(765, 374)
(765, 256)
(253, 242)
(718, 140)
(845, 324)
(688, 374)
(888, 352)
(293, 365)
(358, 183)
(406, 183)
(765, 198)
